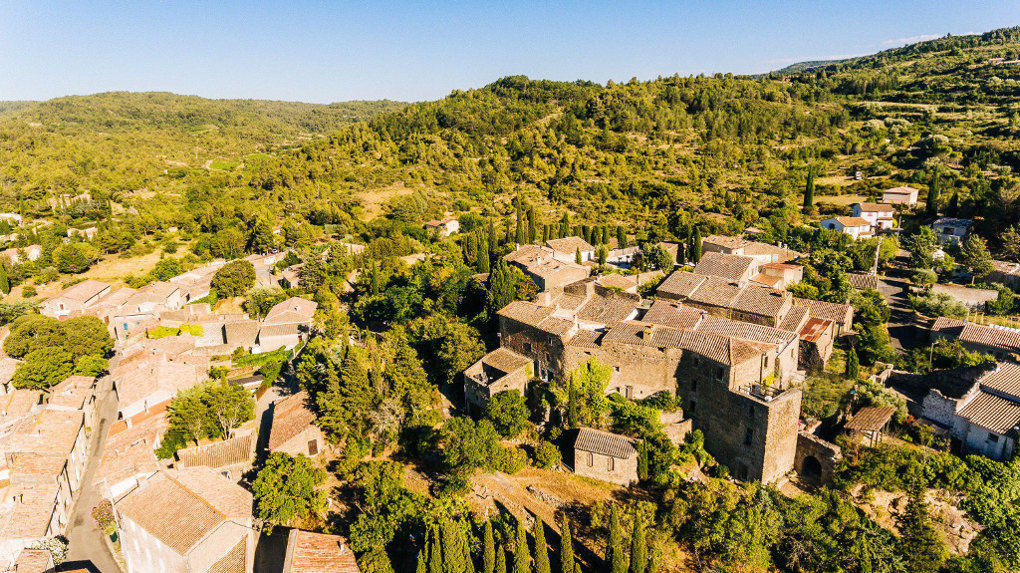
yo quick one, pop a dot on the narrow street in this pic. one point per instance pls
(85, 540)
(904, 331)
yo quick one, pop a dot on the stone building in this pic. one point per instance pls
(566, 249)
(738, 372)
(75, 298)
(498, 371)
(541, 264)
(294, 430)
(309, 552)
(605, 456)
(764, 252)
(999, 341)
(187, 520)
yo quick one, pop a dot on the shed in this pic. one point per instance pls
(871, 422)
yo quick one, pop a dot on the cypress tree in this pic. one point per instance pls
(522, 233)
(586, 233)
(565, 225)
(500, 560)
(483, 254)
(621, 237)
(953, 209)
(809, 191)
(541, 549)
(522, 557)
(853, 364)
(532, 228)
(545, 233)
(642, 468)
(638, 547)
(696, 247)
(572, 397)
(932, 203)
(491, 239)
(5, 281)
(566, 548)
(451, 556)
(616, 557)
(375, 278)
(434, 554)
(577, 256)
(488, 549)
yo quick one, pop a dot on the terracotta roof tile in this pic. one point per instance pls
(309, 552)
(827, 310)
(505, 360)
(569, 245)
(604, 443)
(992, 412)
(762, 300)
(234, 451)
(681, 284)
(732, 267)
(870, 419)
(291, 415)
(673, 314)
(996, 336)
(1005, 379)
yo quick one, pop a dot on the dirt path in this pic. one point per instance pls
(904, 332)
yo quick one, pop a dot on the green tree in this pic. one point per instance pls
(809, 191)
(166, 269)
(1011, 244)
(577, 256)
(43, 368)
(921, 246)
(288, 487)
(934, 190)
(483, 253)
(541, 549)
(567, 561)
(488, 549)
(86, 336)
(508, 412)
(506, 284)
(500, 560)
(260, 236)
(616, 557)
(522, 557)
(229, 405)
(71, 258)
(696, 246)
(234, 278)
(853, 365)
(953, 209)
(977, 258)
(187, 414)
(5, 281)
(638, 545)
(621, 237)
(90, 366)
(572, 404)
(565, 225)
(532, 225)
(920, 543)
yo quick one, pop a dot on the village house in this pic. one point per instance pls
(856, 227)
(75, 298)
(604, 456)
(548, 272)
(231, 457)
(1005, 273)
(76, 393)
(20, 255)
(498, 371)
(999, 341)
(731, 267)
(443, 227)
(863, 281)
(150, 378)
(566, 249)
(294, 431)
(736, 371)
(983, 417)
(309, 552)
(197, 283)
(763, 252)
(950, 229)
(880, 215)
(129, 456)
(190, 519)
(34, 561)
(778, 275)
(900, 196)
(287, 324)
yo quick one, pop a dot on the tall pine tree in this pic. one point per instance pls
(522, 557)
(809, 191)
(572, 398)
(616, 556)
(565, 225)
(696, 245)
(919, 543)
(500, 560)
(532, 225)
(566, 548)
(522, 232)
(853, 364)
(488, 549)
(483, 253)
(934, 190)
(541, 549)
(621, 237)
(638, 546)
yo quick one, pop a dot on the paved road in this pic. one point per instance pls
(85, 540)
(903, 328)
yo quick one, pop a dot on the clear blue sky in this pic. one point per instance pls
(337, 51)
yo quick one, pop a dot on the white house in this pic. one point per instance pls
(856, 227)
(445, 227)
(951, 230)
(900, 195)
(880, 215)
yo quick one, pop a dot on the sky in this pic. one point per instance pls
(324, 52)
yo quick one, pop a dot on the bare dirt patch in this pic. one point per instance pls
(372, 200)
(952, 523)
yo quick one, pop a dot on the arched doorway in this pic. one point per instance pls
(811, 468)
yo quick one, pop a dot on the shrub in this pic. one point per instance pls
(547, 455)
(28, 291)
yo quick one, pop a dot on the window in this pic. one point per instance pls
(749, 436)
(993, 438)
(766, 361)
(313, 447)
(527, 348)
(225, 474)
(616, 368)
(718, 373)
(591, 459)
(125, 326)
(694, 384)
(692, 407)
(628, 392)
(610, 463)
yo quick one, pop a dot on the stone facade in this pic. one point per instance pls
(497, 371)
(816, 458)
(606, 457)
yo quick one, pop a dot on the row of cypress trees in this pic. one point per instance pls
(447, 550)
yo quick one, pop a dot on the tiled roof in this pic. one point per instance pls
(549, 267)
(527, 255)
(762, 300)
(996, 336)
(179, 507)
(716, 291)
(1005, 379)
(853, 221)
(130, 451)
(234, 561)
(505, 360)
(49, 432)
(681, 283)
(19, 402)
(73, 392)
(585, 339)
(617, 280)
(875, 207)
(295, 304)
(291, 415)
(1007, 267)
(766, 280)
(813, 329)
(309, 552)
(945, 325)
(746, 331)
(794, 319)
(726, 241)
(992, 412)
(604, 443)
(608, 308)
(33, 561)
(234, 451)
(903, 189)
(727, 351)
(84, 290)
(733, 267)
(827, 310)
(863, 281)
(952, 222)
(526, 312)
(673, 314)
(569, 245)
(29, 516)
(870, 419)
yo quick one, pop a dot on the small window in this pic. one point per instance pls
(694, 384)
(628, 392)
(692, 407)
(993, 438)
(616, 368)
(527, 348)
(313, 447)
(225, 474)
(610, 463)
(749, 436)
(718, 373)
(766, 361)
(591, 459)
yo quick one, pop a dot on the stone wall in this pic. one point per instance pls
(826, 454)
(622, 471)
